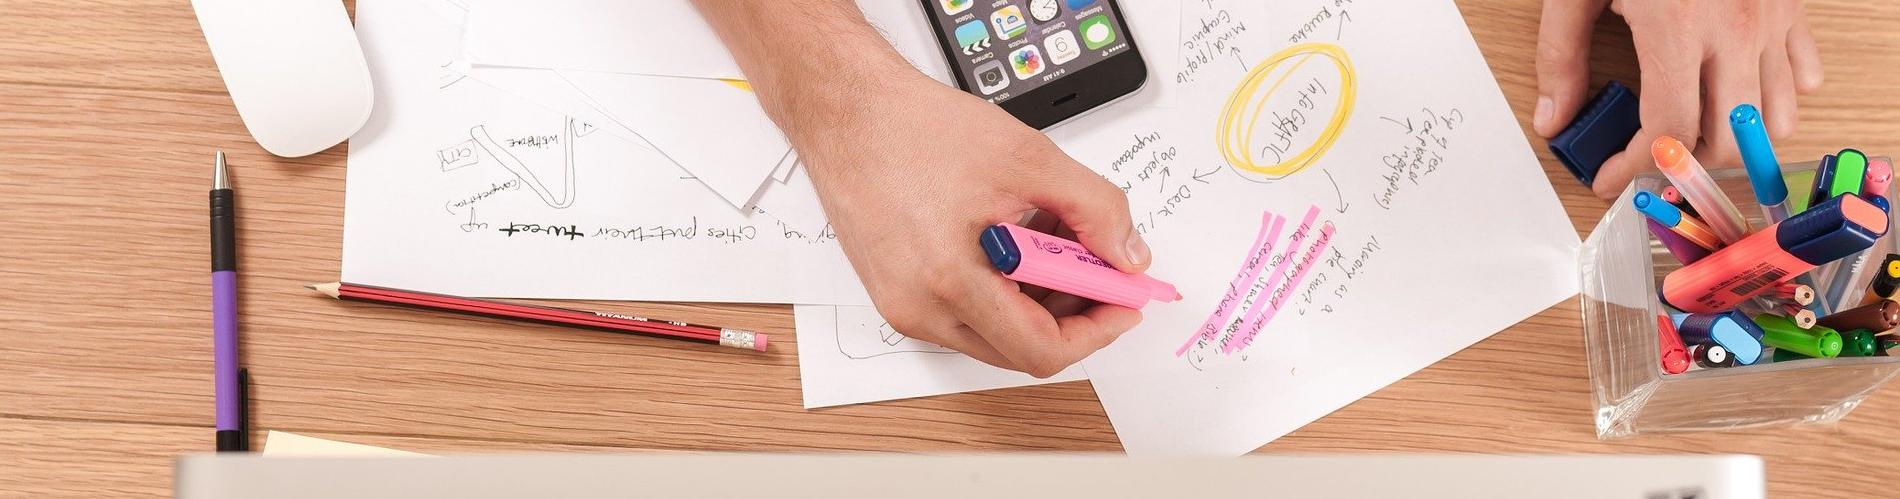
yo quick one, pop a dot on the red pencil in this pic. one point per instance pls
(737, 338)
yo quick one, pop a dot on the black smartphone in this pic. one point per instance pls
(1044, 61)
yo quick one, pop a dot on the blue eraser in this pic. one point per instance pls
(1600, 130)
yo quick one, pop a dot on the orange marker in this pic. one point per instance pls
(1688, 176)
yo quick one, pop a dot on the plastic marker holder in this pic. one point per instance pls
(1758, 157)
(1031, 257)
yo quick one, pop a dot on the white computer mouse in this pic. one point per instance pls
(294, 70)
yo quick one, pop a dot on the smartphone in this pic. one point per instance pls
(1044, 61)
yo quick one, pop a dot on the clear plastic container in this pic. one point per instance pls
(1622, 268)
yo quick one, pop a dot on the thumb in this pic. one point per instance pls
(1563, 62)
(1092, 207)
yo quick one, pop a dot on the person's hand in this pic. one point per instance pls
(1699, 59)
(910, 171)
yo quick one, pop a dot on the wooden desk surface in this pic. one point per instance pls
(109, 112)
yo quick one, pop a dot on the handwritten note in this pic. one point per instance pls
(1342, 196)
(457, 187)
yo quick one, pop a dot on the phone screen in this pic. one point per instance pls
(1009, 47)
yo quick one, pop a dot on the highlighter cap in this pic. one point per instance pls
(1859, 343)
(1880, 202)
(1656, 208)
(1832, 229)
(1601, 129)
(1001, 249)
(1888, 279)
(1758, 156)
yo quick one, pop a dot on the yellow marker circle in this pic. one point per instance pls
(1893, 269)
(1234, 133)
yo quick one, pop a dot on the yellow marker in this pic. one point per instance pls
(1234, 133)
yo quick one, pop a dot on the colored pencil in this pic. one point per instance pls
(618, 323)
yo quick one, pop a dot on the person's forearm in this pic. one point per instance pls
(806, 59)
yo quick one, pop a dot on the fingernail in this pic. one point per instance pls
(1137, 250)
(1540, 119)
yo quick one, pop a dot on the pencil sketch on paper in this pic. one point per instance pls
(863, 335)
(479, 133)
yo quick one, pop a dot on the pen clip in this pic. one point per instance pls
(244, 410)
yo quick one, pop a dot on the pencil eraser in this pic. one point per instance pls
(758, 342)
(1602, 129)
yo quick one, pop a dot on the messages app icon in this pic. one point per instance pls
(1097, 32)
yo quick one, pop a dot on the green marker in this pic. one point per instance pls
(1781, 333)
(1787, 356)
(1798, 198)
(1859, 343)
(1850, 171)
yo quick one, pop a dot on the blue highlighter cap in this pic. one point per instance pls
(1603, 128)
(1734, 331)
(1824, 233)
(1758, 156)
(1001, 248)
(1664, 213)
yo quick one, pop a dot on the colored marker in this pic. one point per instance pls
(1732, 330)
(1788, 356)
(1879, 178)
(1674, 197)
(1850, 173)
(1859, 343)
(1687, 174)
(1829, 231)
(1059, 264)
(1886, 343)
(1682, 248)
(1881, 202)
(1783, 334)
(1686, 226)
(1823, 180)
(1881, 316)
(1710, 355)
(1675, 356)
(1885, 282)
(1758, 157)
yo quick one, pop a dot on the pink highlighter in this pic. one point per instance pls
(1031, 257)
(1830, 230)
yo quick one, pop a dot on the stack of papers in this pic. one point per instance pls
(1320, 178)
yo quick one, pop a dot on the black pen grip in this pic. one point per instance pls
(223, 230)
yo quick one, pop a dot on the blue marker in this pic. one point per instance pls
(1732, 330)
(1673, 218)
(1758, 156)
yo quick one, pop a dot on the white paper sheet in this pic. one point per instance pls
(713, 129)
(458, 188)
(287, 444)
(653, 37)
(849, 355)
(1429, 224)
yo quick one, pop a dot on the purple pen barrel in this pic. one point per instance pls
(224, 339)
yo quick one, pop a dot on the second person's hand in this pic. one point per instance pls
(1699, 59)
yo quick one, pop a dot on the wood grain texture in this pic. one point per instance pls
(110, 109)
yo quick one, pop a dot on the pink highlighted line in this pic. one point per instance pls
(1259, 316)
(1257, 253)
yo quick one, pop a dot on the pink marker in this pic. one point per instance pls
(1031, 257)
(1879, 178)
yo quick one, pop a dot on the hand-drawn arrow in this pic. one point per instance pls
(1197, 175)
(1344, 17)
(1342, 197)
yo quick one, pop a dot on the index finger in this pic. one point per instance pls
(1028, 334)
(1671, 105)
